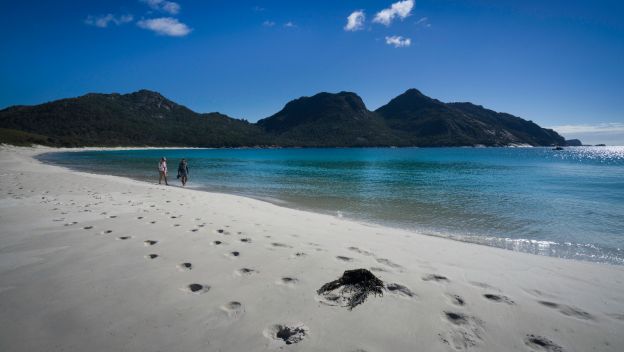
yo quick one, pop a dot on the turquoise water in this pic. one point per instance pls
(566, 203)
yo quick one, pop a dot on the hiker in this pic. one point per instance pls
(183, 172)
(162, 170)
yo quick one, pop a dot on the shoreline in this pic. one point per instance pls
(568, 250)
(98, 262)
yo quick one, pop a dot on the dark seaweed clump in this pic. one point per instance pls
(355, 286)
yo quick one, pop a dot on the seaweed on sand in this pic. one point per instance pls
(355, 286)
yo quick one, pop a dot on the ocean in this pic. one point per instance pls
(567, 203)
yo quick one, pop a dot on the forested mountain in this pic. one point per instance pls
(425, 121)
(146, 118)
(143, 118)
(327, 119)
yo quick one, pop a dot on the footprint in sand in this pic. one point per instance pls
(388, 262)
(539, 293)
(233, 254)
(540, 343)
(197, 288)
(456, 318)
(400, 290)
(568, 310)
(185, 266)
(123, 238)
(435, 277)
(88, 227)
(616, 316)
(457, 300)
(245, 272)
(343, 258)
(194, 230)
(140, 218)
(465, 331)
(233, 309)
(280, 245)
(151, 256)
(286, 333)
(298, 255)
(152, 222)
(287, 281)
(498, 298)
(216, 243)
(106, 232)
(361, 251)
(150, 242)
(483, 285)
(245, 240)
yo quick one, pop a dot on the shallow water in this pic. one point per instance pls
(566, 203)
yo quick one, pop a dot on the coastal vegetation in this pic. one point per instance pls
(146, 118)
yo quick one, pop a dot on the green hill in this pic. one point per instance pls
(428, 122)
(146, 118)
(327, 119)
(143, 118)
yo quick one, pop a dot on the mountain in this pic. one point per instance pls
(327, 119)
(136, 119)
(428, 122)
(146, 118)
(573, 143)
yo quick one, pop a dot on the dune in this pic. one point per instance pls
(102, 263)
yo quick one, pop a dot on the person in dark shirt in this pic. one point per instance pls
(183, 171)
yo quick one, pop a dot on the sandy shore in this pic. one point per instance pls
(102, 263)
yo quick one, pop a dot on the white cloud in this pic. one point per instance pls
(165, 26)
(355, 21)
(163, 5)
(423, 22)
(400, 9)
(104, 20)
(290, 24)
(398, 41)
(268, 23)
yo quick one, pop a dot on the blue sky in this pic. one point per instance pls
(558, 63)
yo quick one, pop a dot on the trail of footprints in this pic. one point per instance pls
(464, 332)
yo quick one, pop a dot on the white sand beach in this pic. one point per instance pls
(102, 263)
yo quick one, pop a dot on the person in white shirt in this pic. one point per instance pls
(162, 170)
